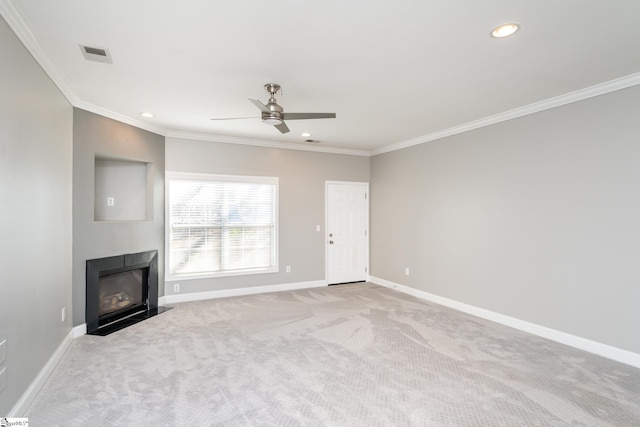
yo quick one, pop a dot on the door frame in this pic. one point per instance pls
(326, 225)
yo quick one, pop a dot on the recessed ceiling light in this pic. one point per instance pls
(505, 30)
(306, 134)
(147, 115)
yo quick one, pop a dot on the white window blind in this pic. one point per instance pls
(221, 225)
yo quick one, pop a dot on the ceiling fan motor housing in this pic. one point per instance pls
(274, 116)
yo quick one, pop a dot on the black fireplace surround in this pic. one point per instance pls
(121, 290)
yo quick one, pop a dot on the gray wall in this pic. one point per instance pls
(125, 183)
(35, 218)
(537, 218)
(97, 136)
(302, 176)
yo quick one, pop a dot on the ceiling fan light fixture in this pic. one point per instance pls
(272, 120)
(504, 30)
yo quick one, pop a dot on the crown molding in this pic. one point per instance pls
(120, 117)
(26, 36)
(28, 39)
(265, 143)
(568, 98)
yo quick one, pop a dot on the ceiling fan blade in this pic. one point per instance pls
(306, 116)
(260, 105)
(236, 118)
(282, 127)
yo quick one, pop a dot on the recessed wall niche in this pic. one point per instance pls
(123, 190)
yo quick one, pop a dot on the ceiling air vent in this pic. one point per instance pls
(97, 54)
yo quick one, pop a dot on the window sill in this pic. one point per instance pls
(210, 275)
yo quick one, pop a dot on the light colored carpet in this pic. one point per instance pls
(350, 355)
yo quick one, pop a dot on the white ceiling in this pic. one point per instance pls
(395, 72)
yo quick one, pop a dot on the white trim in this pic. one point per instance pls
(27, 398)
(265, 143)
(222, 177)
(190, 176)
(119, 117)
(183, 277)
(223, 293)
(29, 40)
(79, 330)
(604, 350)
(26, 36)
(575, 96)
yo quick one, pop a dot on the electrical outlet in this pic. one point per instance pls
(288, 269)
(406, 271)
(176, 287)
(317, 228)
(3, 351)
(110, 201)
(64, 314)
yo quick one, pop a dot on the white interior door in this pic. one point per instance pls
(347, 230)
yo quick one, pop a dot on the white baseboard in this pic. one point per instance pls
(223, 293)
(600, 349)
(604, 350)
(20, 408)
(79, 330)
(27, 398)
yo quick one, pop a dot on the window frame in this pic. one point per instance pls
(186, 176)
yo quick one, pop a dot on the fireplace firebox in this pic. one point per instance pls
(121, 290)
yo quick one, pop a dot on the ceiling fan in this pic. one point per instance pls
(273, 114)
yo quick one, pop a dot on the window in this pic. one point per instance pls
(221, 225)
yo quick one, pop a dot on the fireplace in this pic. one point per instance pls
(121, 290)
